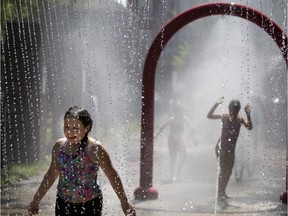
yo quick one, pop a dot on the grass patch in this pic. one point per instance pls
(13, 173)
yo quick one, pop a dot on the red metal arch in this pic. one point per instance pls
(146, 190)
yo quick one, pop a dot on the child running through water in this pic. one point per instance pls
(176, 144)
(76, 159)
(225, 148)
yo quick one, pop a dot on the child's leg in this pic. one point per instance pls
(223, 180)
(226, 162)
(173, 159)
(182, 160)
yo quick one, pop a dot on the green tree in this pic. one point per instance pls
(12, 10)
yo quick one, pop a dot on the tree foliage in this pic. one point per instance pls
(17, 10)
(181, 58)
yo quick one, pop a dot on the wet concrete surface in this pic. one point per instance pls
(193, 194)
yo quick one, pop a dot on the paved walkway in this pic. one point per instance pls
(193, 195)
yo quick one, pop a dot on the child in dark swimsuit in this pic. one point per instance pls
(76, 160)
(225, 148)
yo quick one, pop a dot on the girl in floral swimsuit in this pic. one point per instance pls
(76, 160)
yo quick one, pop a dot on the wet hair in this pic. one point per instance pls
(85, 118)
(235, 104)
(81, 114)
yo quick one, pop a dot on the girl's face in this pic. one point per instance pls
(74, 130)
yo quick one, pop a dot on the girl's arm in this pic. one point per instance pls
(163, 126)
(248, 123)
(46, 183)
(211, 114)
(105, 163)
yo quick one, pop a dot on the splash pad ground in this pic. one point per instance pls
(193, 195)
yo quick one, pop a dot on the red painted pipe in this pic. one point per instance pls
(146, 190)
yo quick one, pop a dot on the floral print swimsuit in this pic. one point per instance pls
(77, 177)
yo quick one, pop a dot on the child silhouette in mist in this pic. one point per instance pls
(225, 148)
(176, 144)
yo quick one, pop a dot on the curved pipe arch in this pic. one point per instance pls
(146, 190)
